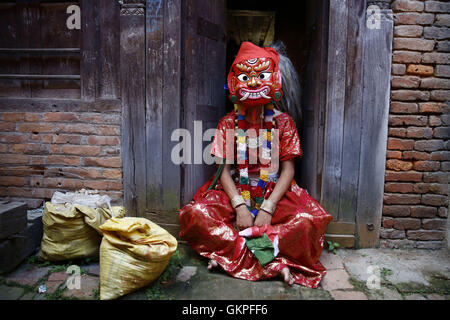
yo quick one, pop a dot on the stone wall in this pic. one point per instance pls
(416, 187)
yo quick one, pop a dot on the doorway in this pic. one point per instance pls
(297, 26)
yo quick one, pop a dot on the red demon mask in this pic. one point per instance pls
(254, 78)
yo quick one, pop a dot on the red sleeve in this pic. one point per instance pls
(218, 147)
(289, 141)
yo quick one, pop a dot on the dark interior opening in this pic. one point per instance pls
(296, 25)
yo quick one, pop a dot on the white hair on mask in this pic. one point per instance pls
(291, 101)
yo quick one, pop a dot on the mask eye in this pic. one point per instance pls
(264, 75)
(243, 77)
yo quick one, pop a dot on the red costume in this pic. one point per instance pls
(299, 221)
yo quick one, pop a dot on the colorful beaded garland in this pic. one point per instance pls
(242, 143)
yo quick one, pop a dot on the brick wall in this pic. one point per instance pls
(416, 189)
(44, 152)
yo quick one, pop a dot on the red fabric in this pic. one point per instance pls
(207, 222)
(207, 225)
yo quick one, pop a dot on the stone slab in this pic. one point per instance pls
(406, 265)
(384, 294)
(415, 296)
(55, 280)
(87, 285)
(331, 261)
(27, 275)
(21, 245)
(348, 295)
(13, 218)
(10, 293)
(336, 279)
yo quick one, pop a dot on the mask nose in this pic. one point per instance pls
(253, 82)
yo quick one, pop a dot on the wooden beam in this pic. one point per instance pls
(39, 50)
(341, 228)
(345, 241)
(41, 76)
(69, 105)
(375, 104)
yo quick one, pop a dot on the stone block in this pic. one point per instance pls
(21, 245)
(13, 218)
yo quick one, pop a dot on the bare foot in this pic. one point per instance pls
(212, 264)
(287, 276)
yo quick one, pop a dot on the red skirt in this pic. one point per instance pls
(207, 224)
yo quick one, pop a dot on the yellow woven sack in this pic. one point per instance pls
(72, 231)
(96, 217)
(134, 252)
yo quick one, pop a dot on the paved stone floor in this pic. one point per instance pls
(366, 274)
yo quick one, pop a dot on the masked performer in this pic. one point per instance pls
(282, 227)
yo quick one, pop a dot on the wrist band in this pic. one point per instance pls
(268, 206)
(237, 201)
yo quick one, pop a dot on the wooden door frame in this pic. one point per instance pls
(346, 90)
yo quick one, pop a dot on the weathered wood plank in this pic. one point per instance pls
(108, 38)
(10, 63)
(172, 102)
(72, 105)
(154, 102)
(334, 117)
(341, 228)
(377, 70)
(313, 108)
(345, 241)
(352, 112)
(132, 73)
(89, 49)
(202, 88)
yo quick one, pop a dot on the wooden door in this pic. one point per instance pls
(151, 104)
(345, 126)
(173, 74)
(203, 87)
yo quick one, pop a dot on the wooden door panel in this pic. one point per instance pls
(204, 95)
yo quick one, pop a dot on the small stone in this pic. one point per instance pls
(348, 295)
(186, 273)
(336, 279)
(10, 293)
